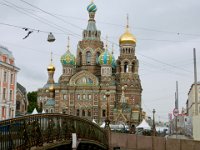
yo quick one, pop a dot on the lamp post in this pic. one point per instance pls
(154, 129)
(107, 121)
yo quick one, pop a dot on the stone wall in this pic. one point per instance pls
(136, 142)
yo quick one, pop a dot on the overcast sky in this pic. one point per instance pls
(166, 32)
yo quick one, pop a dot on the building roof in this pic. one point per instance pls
(21, 88)
(5, 51)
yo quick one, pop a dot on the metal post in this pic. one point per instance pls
(107, 121)
(176, 127)
(154, 132)
(195, 83)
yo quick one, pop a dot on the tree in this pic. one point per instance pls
(32, 99)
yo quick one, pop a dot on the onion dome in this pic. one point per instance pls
(68, 58)
(51, 88)
(106, 58)
(92, 7)
(51, 66)
(127, 37)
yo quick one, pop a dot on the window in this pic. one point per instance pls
(89, 112)
(97, 57)
(4, 93)
(125, 67)
(89, 96)
(80, 56)
(88, 58)
(78, 96)
(77, 112)
(41, 105)
(46, 110)
(84, 96)
(5, 76)
(103, 113)
(104, 97)
(65, 97)
(83, 112)
(11, 78)
(18, 105)
(11, 95)
(51, 110)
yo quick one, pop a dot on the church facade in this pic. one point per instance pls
(95, 85)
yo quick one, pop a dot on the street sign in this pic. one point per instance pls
(175, 112)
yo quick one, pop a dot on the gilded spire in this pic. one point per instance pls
(68, 46)
(106, 42)
(127, 25)
(112, 48)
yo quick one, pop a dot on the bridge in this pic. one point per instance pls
(51, 131)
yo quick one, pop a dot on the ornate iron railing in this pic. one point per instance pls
(37, 130)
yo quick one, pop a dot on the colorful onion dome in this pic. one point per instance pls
(92, 7)
(106, 58)
(68, 58)
(51, 67)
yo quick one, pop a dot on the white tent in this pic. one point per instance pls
(94, 121)
(144, 125)
(34, 112)
(43, 111)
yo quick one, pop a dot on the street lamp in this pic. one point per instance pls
(154, 129)
(107, 121)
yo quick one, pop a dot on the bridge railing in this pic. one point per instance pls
(35, 130)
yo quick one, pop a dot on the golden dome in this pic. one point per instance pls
(51, 68)
(127, 38)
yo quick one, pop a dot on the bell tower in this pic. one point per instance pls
(127, 69)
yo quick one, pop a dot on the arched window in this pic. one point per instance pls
(133, 67)
(46, 110)
(51, 110)
(103, 113)
(126, 67)
(89, 112)
(77, 112)
(18, 105)
(88, 58)
(97, 57)
(41, 105)
(83, 112)
(80, 56)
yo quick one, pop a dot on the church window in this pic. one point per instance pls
(129, 50)
(77, 112)
(83, 112)
(51, 110)
(80, 56)
(41, 105)
(89, 96)
(125, 67)
(65, 97)
(46, 110)
(103, 113)
(78, 96)
(104, 97)
(97, 57)
(88, 57)
(133, 66)
(84, 96)
(89, 33)
(18, 105)
(89, 112)
(11, 78)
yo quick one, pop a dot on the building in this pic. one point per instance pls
(21, 100)
(8, 76)
(94, 85)
(191, 100)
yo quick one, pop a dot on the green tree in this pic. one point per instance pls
(32, 99)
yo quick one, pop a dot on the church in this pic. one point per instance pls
(93, 84)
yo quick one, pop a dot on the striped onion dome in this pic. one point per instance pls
(107, 58)
(92, 7)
